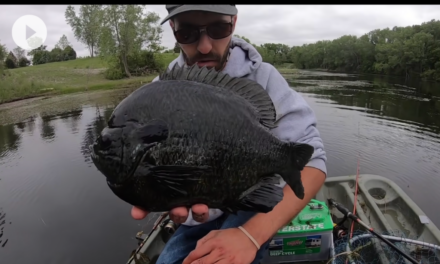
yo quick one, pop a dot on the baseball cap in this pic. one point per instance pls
(221, 9)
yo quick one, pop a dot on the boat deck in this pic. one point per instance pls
(381, 204)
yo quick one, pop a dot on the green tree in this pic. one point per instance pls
(3, 52)
(19, 53)
(24, 62)
(62, 43)
(405, 51)
(69, 53)
(21, 57)
(86, 25)
(56, 54)
(11, 61)
(127, 30)
(39, 55)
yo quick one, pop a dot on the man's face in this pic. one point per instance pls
(205, 50)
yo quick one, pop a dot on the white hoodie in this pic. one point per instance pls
(296, 122)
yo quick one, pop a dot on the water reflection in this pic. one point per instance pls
(93, 129)
(3, 240)
(57, 206)
(27, 125)
(71, 119)
(391, 125)
(9, 140)
(410, 102)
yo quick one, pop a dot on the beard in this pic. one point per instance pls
(220, 59)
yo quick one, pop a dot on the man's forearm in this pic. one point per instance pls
(264, 226)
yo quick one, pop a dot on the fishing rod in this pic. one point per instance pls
(350, 215)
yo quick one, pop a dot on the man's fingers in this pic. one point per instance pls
(210, 259)
(138, 213)
(179, 215)
(204, 239)
(200, 212)
(200, 252)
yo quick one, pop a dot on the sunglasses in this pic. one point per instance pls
(189, 34)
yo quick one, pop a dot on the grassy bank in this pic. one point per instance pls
(74, 76)
(66, 77)
(286, 71)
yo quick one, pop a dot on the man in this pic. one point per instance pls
(208, 236)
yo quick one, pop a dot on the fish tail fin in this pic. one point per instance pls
(262, 197)
(300, 155)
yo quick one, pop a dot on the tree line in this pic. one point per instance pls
(129, 38)
(17, 57)
(62, 51)
(412, 51)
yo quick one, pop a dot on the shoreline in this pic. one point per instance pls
(132, 83)
(371, 74)
(136, 82)
(67, 77)
(31, 108)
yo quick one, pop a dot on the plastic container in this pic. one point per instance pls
(307, 238)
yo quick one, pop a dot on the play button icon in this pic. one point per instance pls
(29, 32)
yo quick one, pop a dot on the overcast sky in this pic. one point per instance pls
(291, 24)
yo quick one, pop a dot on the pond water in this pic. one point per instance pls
(55, 207)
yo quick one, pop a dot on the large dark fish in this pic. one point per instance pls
(198, 136)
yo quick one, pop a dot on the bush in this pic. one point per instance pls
(139, 64)
(23, 62)
(145, 62)
(10, 64)
(114, 73)
(69, 53)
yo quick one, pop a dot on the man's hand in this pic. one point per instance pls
(227, 246)
(178, 215)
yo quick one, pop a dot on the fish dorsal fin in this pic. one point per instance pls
(250, 90)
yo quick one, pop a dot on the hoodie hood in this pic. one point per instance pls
(243, 59)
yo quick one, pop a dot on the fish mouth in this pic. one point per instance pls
(112, 166)
(100, 155)
(115, 185)
(109, 164)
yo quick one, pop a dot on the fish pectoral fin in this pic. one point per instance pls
(293, 179)
(262, 197)
(300, 155)
(177, 179)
